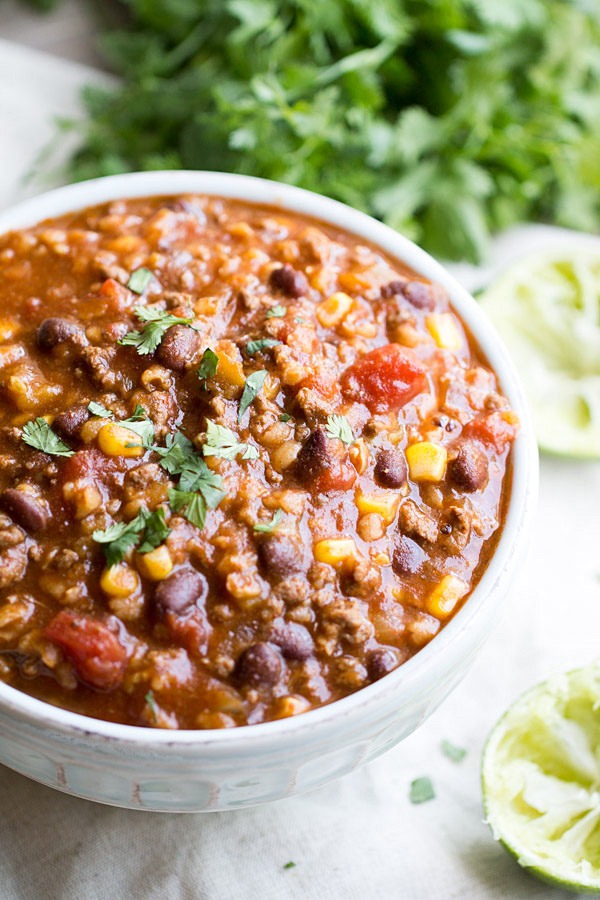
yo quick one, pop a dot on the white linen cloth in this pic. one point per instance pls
(359, 838)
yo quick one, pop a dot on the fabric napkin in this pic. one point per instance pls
(359, 838)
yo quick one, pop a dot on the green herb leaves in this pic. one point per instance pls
(276, 312)
(208, 365)
(145, 532)
(221, 441)
(253, 347)
(139, 280)
(452, 752)
(40, 436)
(141, 425)
(252, 389)
(268, 527)
(421, 790)
(96, 409)
(199, 488)
(157, 322)
(339, 427)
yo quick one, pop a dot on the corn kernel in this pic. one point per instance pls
(335, 551)
(116, 440)
(120, 580)
(426, 461)
(322, 279)
(241, 230)
(271, 387)
(384, 504)
(156, 564)
(446, 595)
(291, 705)
(444, 330)
(331, 312)
(355, 281)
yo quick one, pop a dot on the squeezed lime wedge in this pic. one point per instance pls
(547, 309)
(541, 780)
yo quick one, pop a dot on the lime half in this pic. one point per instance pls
(541, 780)
(547, 309)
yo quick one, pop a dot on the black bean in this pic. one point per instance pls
(314, 457)
(294, 641)
(178, 347)
(468, 471)
(382, 661)
(407, 557)
(181, 591)
(53, 332)
(26, 510)
(259, 666)
(281, 556)
(392, 289)
(68, 423)
(289, 281)
(390, 469)
(420, 294)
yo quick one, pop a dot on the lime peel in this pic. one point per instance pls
(541, 780)
(547, 309)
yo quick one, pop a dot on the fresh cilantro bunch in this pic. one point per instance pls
(447, 120)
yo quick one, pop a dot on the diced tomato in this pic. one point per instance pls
(93, 466)
(498, 429)
(99, 658)
(384, 379)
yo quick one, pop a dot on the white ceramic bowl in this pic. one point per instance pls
(192, 771)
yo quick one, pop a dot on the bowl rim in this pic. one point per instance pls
(524, 486)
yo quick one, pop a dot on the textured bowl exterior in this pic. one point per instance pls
(198, 771)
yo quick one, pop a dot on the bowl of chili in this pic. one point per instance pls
(266, 475)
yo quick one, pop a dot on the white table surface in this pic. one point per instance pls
(359, 838)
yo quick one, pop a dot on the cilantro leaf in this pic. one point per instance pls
(96, 409)
(252, 389)
(222, 442)
(139, 280)
(151, 701)
(253, 347)
(146, 531)
(454, 753)
(157, 322)
(421, 790)
(177, 451)
(156, 531)
(192, 505)
(141, 425)
(339, 427)
(208, 365)
(269, 527)
(276, 312)
(118, 539)
(40, 436)
(284, 417)
(290, 865)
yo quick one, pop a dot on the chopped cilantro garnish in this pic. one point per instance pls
(299, 320)
(222, 442)
(139, 280)
(40, 436)
(276, 312)
(290, 865)
(141, 425)
(421, 790)
(157, 322)
(192, 504)
(208, 365)
(339, 427)
(454, 753)
(156, 531)
(284, 417)
(151, 701)
(147, 530)
(253, 347)
(96, 409)
(252, 389)
(178, 450)
(268, 527)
